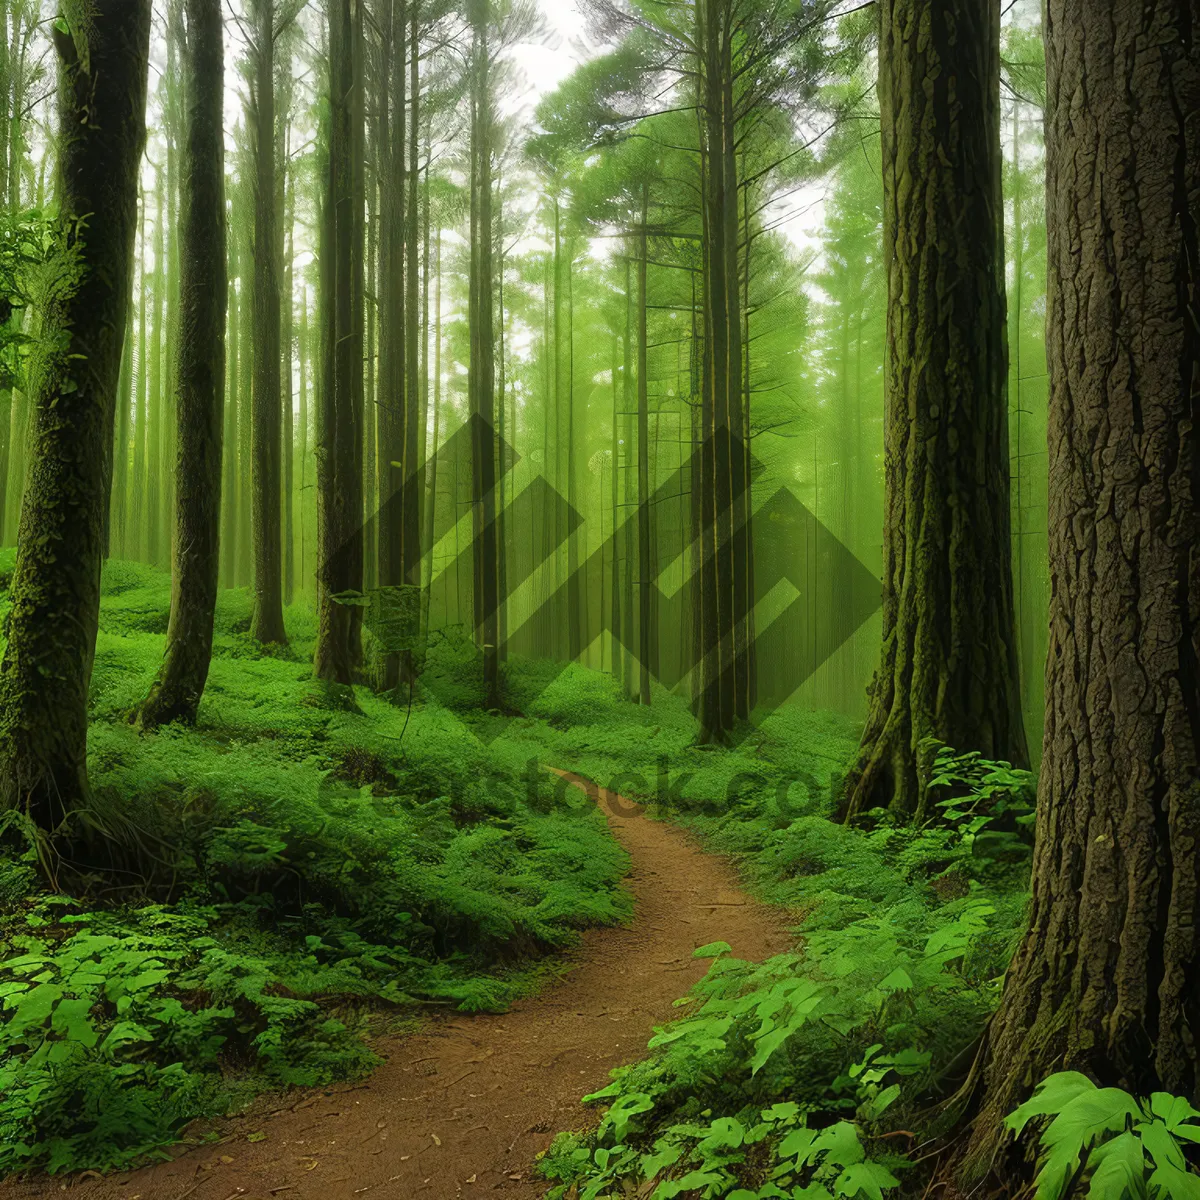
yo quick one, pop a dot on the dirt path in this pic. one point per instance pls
(461, 1109)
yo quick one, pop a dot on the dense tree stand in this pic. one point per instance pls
(1106, 979)
(55, 591)
(175, 694)
(949, 663)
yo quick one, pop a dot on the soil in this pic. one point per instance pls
(462, 1108)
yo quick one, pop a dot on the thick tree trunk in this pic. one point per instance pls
(266, 625)
(949, 662)
(1105, 980)
(339, 452)
(394, 374)
(286, 201)
(55, 592)
(175, 694)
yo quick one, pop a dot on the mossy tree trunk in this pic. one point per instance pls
(339, 447)
(200, 378)
(1105, 980)
(949, 661)
(55, 591)
(266, 624)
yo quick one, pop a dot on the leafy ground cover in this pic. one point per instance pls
(804, 1075)
(311, 863)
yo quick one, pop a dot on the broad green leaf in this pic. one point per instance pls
(1171, 1110)
(727, 1133)
(1172, 1183)
(1118, 1170)
(864, 1178)
(71, 1018)
(840, 1144)
(1162, 1146)
(1051, 1096)
(898, 981)
(712, 950)
(798, 1145)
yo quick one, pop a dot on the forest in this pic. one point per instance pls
(600, 599)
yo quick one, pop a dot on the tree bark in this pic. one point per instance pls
(175, 694)
(949, 662)
(339, 451)
(266, 625)
(55, 592)
(1105, 981)
(229, 519)
(481, 384)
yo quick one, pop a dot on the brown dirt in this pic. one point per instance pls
(462, 1108)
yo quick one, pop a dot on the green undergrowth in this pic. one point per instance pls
(310, 862)
(806, 1075)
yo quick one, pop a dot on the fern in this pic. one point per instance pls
(1123, 1148)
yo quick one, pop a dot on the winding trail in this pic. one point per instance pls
(462, 1108)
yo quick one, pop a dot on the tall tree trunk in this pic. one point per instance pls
(302, 360)
(266, 624)
(481, 373)
(245, 393)
(949, 664)
(141, 440)
(645, 629)
(394, 404)
(286, 200)
(115, 543)
(1105, 979)
(55, 591)
(629, 625)
(229, 519)
(576, 623)
(339, 452)
(156, 403)
(175, 694)
(436, 401)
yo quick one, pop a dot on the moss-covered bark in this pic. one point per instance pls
(200, 378)
(266, 624)
(1105, 980)
(949, 664)
(339, 446)
(55, 590)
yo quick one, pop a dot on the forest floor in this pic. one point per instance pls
(464, 1107)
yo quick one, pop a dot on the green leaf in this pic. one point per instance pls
(1163, 1147)
(1118, 1170)
(875, 1106)
(798, 1145)
(898, 981)
(1052, 1095)
(712, 950)
(71, 1018)
(1172, 1183)
(1171, 1110)
(864, 1178)
(840, 1144)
